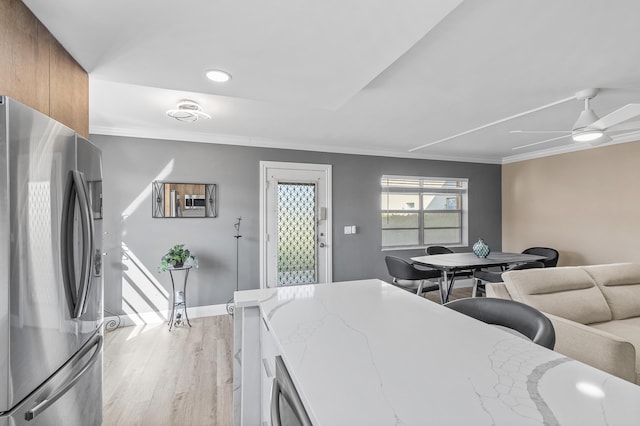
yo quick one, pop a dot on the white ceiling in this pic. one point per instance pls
(356, 76)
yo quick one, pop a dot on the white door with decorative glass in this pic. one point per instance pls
(423, 211)
(296, 222)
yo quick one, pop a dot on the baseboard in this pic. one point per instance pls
(114, 321)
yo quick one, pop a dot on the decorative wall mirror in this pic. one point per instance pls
(170, 199)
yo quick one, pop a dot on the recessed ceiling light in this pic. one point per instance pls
(218, 76)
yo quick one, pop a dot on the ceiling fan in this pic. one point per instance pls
(588, 127)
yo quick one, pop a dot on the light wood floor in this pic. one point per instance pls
(456, 293)
(156, 377)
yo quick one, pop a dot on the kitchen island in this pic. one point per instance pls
(368, 353)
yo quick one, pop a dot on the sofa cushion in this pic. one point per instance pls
(628, 329)
(567, 292)
(620, 284)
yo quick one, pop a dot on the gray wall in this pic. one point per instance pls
(130, 165)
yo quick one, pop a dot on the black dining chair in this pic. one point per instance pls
(406, 276)
(481, 277)
(551, 255)
(431, 250)
(517, 316)
(438, 250)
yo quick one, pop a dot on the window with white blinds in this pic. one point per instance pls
(423, 211)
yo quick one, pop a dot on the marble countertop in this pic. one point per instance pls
(368, 353)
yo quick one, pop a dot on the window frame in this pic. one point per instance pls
(420, 186)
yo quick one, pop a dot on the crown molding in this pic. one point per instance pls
(256, 142)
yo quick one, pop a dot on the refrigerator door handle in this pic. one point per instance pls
(66, 244)
(88, 242)
(76, 294)
(58, 393)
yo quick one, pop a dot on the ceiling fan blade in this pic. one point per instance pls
(541, 142)
(616, 117)
(540, 131)
(630, 125)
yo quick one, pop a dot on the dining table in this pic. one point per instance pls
(450, 263)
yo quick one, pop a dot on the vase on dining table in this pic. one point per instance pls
(481, 249)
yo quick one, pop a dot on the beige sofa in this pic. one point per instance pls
(595, 311)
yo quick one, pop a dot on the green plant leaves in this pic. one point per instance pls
(176, 257)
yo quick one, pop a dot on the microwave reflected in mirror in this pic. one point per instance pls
(174, 200)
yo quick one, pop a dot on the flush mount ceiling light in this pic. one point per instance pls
(188, 110)
(218, 76)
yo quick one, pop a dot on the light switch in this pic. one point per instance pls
(350, 229)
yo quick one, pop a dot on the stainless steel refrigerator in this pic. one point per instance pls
(50, 272)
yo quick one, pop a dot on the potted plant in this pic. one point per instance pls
(177, 257)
